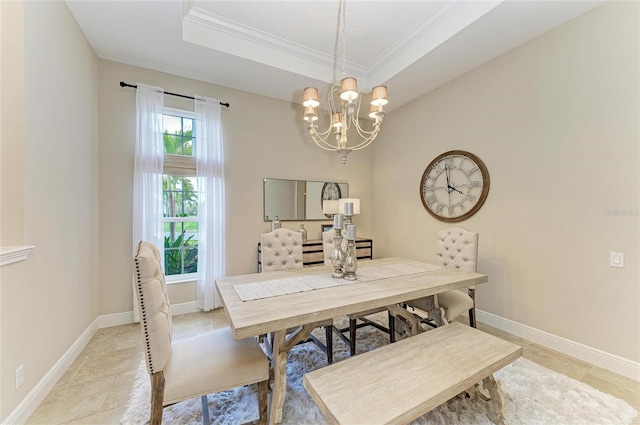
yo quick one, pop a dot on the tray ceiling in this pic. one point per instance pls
(276, 48)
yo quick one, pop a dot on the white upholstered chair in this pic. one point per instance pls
(282, 250)
(328, 245)
(457, 248)
(192, 367)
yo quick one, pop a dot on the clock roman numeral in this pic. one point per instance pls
(471, 171)
(449, 163)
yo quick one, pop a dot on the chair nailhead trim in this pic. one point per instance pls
(143, 315)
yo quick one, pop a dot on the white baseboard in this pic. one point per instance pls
(125, 318)
(184, 308)
(580, 351)
(117, 319)
(29, 404)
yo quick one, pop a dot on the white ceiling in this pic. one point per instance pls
(277, 48)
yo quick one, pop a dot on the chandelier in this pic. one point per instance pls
(343, 107)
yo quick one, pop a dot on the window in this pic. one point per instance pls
(180, 196)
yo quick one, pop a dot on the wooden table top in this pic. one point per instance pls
(257, 317)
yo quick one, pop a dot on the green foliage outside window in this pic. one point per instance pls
(179, 141)
(180, 255)
(180, 200)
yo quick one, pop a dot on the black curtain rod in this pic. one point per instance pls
(123, 84)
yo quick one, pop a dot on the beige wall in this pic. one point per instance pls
(11, 145)
(12, 124)
(556, 122)
(49, 300)
(263, 138)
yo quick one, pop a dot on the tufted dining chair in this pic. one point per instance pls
(192, 367)
(328, 245)
(457, 248)
(282, 250)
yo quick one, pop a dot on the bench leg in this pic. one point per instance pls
(496, 401)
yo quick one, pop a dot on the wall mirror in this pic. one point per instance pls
(297, 200)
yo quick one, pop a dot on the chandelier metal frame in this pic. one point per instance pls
(343, 106)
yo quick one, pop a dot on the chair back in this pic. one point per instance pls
(457, 248)
(281, 250)
(154, 307)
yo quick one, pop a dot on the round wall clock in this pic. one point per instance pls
(454, 186)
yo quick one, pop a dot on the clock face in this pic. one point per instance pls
(454, 186)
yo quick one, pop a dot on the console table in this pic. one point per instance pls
(313, 255)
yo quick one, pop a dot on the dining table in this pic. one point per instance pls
(262, 303)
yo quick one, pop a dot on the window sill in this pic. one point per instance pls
(13, 254)
(181, 279)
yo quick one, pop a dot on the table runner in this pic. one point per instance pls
(290, 285)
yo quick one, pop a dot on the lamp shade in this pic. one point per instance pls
(379, 96)
(354, 201)
(349, 89)
(330, 207)
(310, 98)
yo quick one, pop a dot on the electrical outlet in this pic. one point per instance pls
(616, 259)
(19, 376)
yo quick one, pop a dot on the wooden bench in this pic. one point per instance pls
(399, 382)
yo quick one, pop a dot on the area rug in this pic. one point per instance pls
(533, 395)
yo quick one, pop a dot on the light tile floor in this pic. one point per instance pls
(96, 387)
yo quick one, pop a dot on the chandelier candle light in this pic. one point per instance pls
(343, 107)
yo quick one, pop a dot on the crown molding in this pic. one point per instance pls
(13, 254)
(209, 30)
(449, 20)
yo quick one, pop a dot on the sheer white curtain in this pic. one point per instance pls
(147, 174)
(211, 218)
